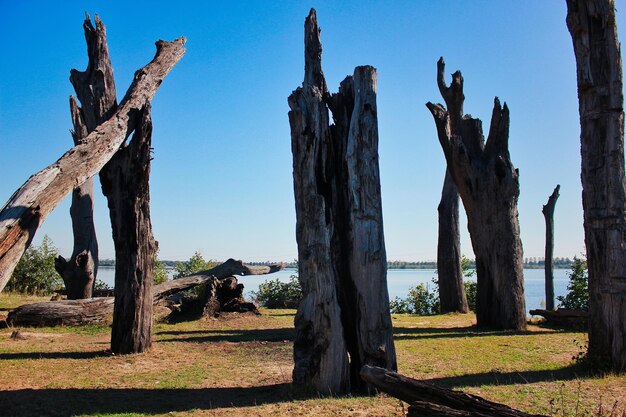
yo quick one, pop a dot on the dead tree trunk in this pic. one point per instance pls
(98, 310)
(429, 398)
(340, 237)
(95, 88)
(320, 355)
(41, 193)
(601, 107)
(452, 296)
(489, 187)
(125, 183)
(548, 213)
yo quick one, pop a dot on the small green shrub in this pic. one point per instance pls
(470, 293)
(577, 297)
(277, 294)
(419, 301)
(195, 264)
(159, 272)
(35, 273)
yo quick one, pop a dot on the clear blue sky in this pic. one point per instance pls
(222, 174)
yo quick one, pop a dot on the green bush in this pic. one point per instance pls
(470, 293)
(277, 294)
(419, 301)
(194, 264)
(159, 272)
(577, 296)
(35, 273)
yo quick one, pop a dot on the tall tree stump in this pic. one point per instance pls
(125, 183)
(452, 297)
(343, 322)
(488, 184)
(601, 106)
(95, 88)
(548, 214)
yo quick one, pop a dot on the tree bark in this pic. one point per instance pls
(320, 355)
(98, 310)
(427, 396)
(601, 107)
(452, 296)
(489, 188)
(340, 230)
(562, 316)
(95, 88)
(125, 182)
(548, 213)
(41, 193)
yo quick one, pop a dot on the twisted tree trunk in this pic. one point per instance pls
(489, 187)
(342, 258)
(452, 296)
(41, 193)
(601, 107)
(95, 88)
(548, 213)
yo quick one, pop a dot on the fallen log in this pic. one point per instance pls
(29, 206)
(563, 316)
(432, 400)
(98, 310)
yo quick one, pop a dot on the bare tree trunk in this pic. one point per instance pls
(548, 213)
(489, 188)
(320, 356)
(95, 88)
(125, 183)
(601, 107)
(340, 231)
(452, 296)
(41, 193)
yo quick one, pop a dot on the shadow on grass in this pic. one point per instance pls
(403, 333)
(54, 355)
(253, 335)
(73, 401)
(566, 373)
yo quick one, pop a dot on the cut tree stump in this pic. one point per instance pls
(29, 206)
(426, 398)
(99, 310)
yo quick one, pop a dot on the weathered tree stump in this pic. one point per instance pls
(489, 187)
(125, 183)
(29, 206)
(452, 296)
(95, 88)
(548, 214)
(601, 107)
(341, 249)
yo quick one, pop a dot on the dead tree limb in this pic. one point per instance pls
(29, 206)
(548, 213)
(427, 396)
(92, 310)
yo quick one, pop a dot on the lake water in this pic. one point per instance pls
(400, 280)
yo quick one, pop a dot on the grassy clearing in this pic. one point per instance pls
(241, 365)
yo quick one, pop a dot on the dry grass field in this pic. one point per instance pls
(240, 365)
